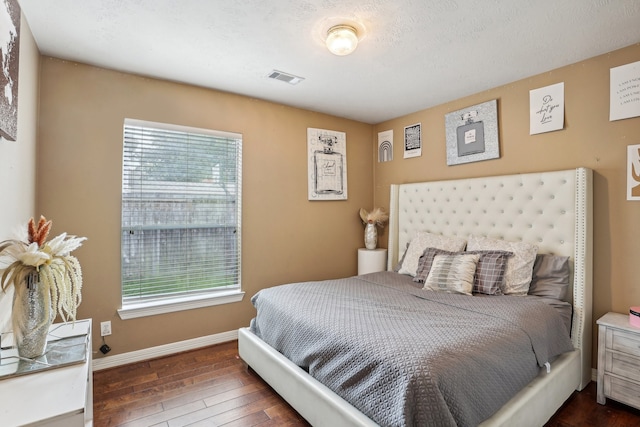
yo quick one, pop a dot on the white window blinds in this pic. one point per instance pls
(181, 211)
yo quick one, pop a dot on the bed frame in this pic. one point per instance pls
(550, 209)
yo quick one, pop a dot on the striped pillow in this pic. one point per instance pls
(452, 273)
(489, 278)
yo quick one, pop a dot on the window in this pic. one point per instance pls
(181, 211)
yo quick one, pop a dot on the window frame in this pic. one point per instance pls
(210, 297)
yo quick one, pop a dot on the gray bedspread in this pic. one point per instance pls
(409, 357)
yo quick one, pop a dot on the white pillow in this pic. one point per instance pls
(517, 275)
(452, 273)
(423, 240)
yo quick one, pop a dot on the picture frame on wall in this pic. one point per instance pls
(326, 164)
(624, 97)
(10, 52)
(385, 146)
(413, 141)
(472, 134)
(633, 172)
(546, 109)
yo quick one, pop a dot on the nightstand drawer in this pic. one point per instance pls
(622, 365)
(623, 391)
(623, 341)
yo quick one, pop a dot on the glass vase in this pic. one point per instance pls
(31, 317)
(370, 236)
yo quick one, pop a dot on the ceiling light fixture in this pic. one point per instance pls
(342, 39)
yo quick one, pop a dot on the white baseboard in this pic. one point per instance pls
(162, 350)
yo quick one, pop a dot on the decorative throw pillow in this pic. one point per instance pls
(422, 241)
(424, 264)
(550, 277)
(490, 273)
(519, 267)
(489, 277)
(452, 273)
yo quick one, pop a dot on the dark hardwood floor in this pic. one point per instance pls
(211, 387)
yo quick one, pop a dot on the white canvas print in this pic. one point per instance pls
(327, 164)
(546, 109)
(625, 92)
(385, 146)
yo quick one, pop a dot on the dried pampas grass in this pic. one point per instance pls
(377, 216)
(58, 271)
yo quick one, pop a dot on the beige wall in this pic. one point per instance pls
(285, 237)
(18, 158)
(589, 139)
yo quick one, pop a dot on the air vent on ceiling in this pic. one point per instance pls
(285, 77)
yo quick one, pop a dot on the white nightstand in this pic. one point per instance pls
(618, 360)
(371, 260)
(60, 397)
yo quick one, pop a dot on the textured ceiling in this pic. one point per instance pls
(415, 53)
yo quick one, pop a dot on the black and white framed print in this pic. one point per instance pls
(327, 164)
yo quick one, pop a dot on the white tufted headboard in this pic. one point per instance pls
(549, 209)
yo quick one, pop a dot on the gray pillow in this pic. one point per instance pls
(550, 276)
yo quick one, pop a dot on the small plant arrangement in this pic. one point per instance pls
(377, 216)
(57, 270)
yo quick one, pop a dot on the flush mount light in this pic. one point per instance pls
(342, 39)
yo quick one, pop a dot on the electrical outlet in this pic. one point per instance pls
(105, 328)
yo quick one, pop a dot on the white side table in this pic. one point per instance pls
(60, 397)
(371, 260)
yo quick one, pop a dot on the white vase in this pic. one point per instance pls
(370, 236)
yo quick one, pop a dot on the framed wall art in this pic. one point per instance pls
(624, 97)
(412, 141)
(546, 109)
(385, 146)
(472, 134)
(327, 164)
(10, 55)
(633, 172)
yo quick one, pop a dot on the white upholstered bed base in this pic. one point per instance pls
(549, 209)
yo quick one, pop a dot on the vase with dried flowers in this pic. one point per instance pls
(46, 280)
(376, 218)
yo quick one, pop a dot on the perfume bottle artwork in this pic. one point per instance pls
(328, 166)
(470, 136)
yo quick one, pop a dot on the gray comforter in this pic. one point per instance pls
(408, 357)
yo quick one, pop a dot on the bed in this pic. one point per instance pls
(549, 209)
